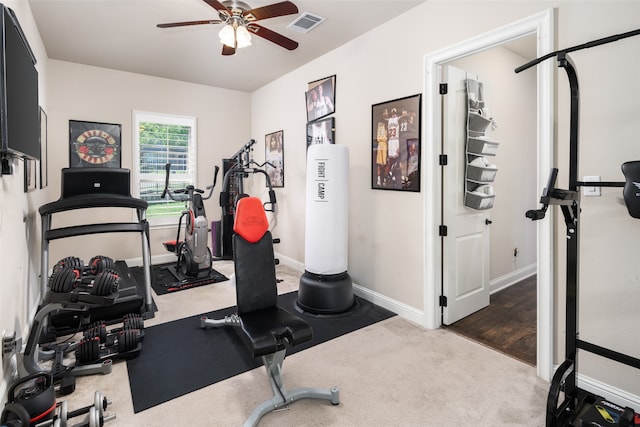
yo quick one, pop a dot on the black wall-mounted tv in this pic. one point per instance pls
(19, 108)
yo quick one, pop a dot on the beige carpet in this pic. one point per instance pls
(393, 373)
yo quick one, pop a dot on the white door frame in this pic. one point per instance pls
(541, 25)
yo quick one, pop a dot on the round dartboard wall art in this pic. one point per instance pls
(94, 144)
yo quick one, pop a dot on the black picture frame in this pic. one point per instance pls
(274, 157)
(320, 98)
(94, 144)
(30, 174)
(44, 153)
(321, 131)
(396, 144)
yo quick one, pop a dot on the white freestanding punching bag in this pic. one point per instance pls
(325, 286)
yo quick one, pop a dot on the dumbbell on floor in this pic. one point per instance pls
(96, 412)
(99, 328)
(91, 349)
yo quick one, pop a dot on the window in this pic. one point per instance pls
(160, 139)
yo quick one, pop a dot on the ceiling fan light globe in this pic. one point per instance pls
(227, 36)
(243, 37)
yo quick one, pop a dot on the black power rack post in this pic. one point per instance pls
(579, 407)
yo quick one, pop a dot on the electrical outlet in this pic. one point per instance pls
(591, 191)
(9, 344)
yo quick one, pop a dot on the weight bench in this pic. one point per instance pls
(265, 328)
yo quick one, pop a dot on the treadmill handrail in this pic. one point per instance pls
(92, 201)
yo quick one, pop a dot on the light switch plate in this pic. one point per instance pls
(591, 191)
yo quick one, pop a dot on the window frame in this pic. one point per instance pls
(139, 116)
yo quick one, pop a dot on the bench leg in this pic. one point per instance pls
(281, 397)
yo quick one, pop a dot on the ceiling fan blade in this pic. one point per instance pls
(226, 50)
(270, 11)
(218, 6)
(183, 24)
(272, 36)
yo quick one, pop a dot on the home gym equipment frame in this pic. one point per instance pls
(236, 169)
(577, 402)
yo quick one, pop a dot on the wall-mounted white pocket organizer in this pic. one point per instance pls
(479, 171)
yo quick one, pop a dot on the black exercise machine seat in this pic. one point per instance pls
(266, 328)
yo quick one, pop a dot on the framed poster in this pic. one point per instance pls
(395, 144)
(321, 132)
(274, 156)
(94, 144)
(321, 98)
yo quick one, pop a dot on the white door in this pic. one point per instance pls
(465, 253)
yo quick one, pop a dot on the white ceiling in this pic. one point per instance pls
(122, 35)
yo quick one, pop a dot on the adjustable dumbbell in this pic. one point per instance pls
(91, 349)
(99, 328)
(67, 279)
(97, 264)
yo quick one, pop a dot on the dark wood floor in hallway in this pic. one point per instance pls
(508, 324)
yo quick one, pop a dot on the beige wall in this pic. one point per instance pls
(80, 92)
(386, 240)
(386, 237)
(19, 221)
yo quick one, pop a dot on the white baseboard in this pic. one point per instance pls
(155, 259)
(503, 282)
(410, 313)
(290, 262)
(612, 394)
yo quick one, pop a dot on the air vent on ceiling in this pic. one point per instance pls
(306, 22)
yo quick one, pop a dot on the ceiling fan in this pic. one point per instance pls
(240, 22)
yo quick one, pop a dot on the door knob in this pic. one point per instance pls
(488, 221)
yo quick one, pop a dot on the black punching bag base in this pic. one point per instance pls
(325, 294)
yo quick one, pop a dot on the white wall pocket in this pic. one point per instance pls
(481, 198)
(482, 146)
(479, 171)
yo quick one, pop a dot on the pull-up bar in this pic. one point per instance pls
(587, 45)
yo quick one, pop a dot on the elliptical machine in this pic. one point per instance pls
(194, 255)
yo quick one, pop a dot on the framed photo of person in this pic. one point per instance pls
(94, 144)
(321, 132)
(274, 156)
(321, 98)
(395, 144)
